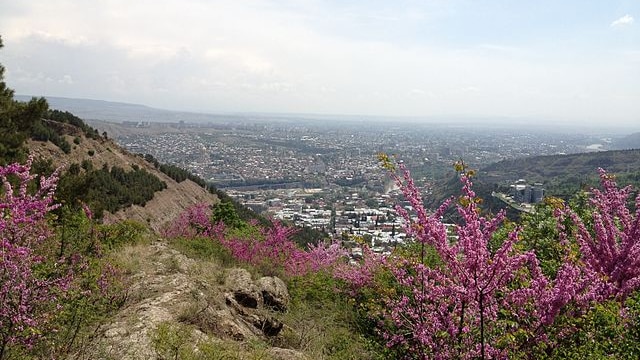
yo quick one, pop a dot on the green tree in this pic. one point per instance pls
(17, 121)
(226, 212)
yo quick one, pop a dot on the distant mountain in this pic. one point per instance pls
(117, 112)
(107, 110)
(631, 141)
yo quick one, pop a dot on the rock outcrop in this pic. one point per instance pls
(274, 293)
(249, 302)
(167, 289)
(243, 289)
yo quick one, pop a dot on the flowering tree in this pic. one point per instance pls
(612, 251)
(195, 220)
(360, 274)
(472, 302)
(27, 301)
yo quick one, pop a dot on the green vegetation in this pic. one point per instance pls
(107, 189)
(326, 324)
(178, 341)
(564, 175)
(65, 117)
(203, 248)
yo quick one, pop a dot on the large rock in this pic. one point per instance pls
(246, 300)
(274, 293)
(244, 291)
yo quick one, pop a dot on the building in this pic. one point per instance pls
(525, 193)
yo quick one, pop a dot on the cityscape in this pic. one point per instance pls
(326, 175)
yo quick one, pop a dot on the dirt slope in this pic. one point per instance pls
(165, 205)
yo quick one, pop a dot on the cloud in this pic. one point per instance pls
(304, 57)
(623, 21)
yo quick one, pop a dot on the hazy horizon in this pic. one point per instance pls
(570, 62)
(116, 112)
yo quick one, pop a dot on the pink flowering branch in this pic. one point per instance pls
(453, 309)
(194, 221)
(26, 300)
(271, 248)
(360, 274)
(612, 250)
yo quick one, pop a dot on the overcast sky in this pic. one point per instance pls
(570, 60)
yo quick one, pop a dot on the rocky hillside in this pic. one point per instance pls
(165, 205)
(180, 304)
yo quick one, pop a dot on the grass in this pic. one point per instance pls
(180, 341)
(322, 323)
(203, 248)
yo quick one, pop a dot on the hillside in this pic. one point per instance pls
(562, 176)
(557, 167)
(174, 298)
(165, 205)
(164, 301)
(631, 141)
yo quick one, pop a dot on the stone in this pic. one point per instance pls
(274, 293)
(244, 291)
(270, 326)
(115, 332)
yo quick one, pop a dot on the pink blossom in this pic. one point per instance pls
(194, 221)
(439, 305)
(612, 250)
(24, 297)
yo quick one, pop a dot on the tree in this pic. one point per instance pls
(225, 212)
(612, 249)
(27, 299)
(17, 120)
(470, 301)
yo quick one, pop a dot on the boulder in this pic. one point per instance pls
(244, 291)
(274, 293)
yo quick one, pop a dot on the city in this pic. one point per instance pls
(326, 176)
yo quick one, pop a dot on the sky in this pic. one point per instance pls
(575, 61)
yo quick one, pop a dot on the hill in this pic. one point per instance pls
(564, 175)
(165, 204)
(631, 141)
(104, 110)
(111, 111)
(547, 168)
(561, 175)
